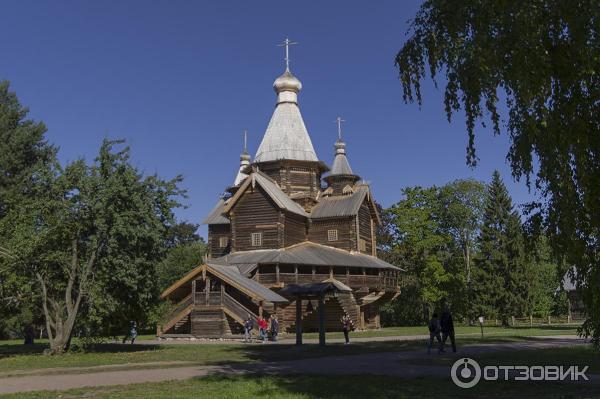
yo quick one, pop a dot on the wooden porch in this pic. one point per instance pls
(276, 276)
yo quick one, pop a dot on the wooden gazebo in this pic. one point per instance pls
(310, 291)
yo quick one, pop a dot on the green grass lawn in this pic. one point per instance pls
(115, 354)
(15, 357)
(335, 387)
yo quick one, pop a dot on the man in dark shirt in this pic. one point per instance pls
(447, 329)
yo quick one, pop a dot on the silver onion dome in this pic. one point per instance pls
(287, 82)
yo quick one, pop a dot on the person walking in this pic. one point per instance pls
(262, 329)
(248, 326)
(274, 328)
(434, 333)
(132, 333)
(347, 325)
(447, 326)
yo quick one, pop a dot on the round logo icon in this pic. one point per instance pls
(465, 373)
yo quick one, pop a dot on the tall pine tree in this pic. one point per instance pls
(26, 162)
(500, 289)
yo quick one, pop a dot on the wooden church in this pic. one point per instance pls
(287, 219)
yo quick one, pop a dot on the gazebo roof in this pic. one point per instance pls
(312, 289)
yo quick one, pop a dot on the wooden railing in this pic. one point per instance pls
(240, 311)
(384, 281)
(180, 307)
(214, 299)
(174, 315)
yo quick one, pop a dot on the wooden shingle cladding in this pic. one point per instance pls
(216, 232)
(255, 212)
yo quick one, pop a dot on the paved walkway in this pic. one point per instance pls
(387, 363)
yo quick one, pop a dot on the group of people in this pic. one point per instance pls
(267, 329)
(441, 329)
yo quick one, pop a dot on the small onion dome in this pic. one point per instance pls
(287, 82)
(340, 147)
(245, 158)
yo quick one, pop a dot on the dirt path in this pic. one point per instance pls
(390, 363)
(290, 339)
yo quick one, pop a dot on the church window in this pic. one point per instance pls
(362, 245)
(256, 239)
(223, 242)
(332, 235)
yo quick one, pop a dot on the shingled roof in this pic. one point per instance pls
(230, 275)
(216, 216)
(305, 253)
(340, 205)
(286, 136)
(273, 191)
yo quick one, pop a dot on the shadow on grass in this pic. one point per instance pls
(36, 349)
(271, 352)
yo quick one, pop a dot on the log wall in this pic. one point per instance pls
(364, 228)
(215, 232)
(255, 213)
(346, 232)
(295, 229)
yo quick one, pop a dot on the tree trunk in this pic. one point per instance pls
(28, 335)
(60, 323)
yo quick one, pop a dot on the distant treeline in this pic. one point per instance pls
(464, 244)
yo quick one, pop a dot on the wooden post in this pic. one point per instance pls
(347, 275)
(361, 314)
(373, 239)
(296, 273)
(330, 271)
(194, 292)
(512, 318)
(531, 320)
(548, 319)
(207, 290)
(277, 272)
(260, 309)
(364, 273)
(298, 320)
(314, 271)
(321, 320)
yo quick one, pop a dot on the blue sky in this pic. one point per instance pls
(181, 80)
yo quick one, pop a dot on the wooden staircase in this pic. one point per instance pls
(236, 310)
(335, 307)
(179, 318)
(348, 303)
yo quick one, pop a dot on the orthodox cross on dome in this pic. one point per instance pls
(245, 139)
(339, 121)
(287, 43)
